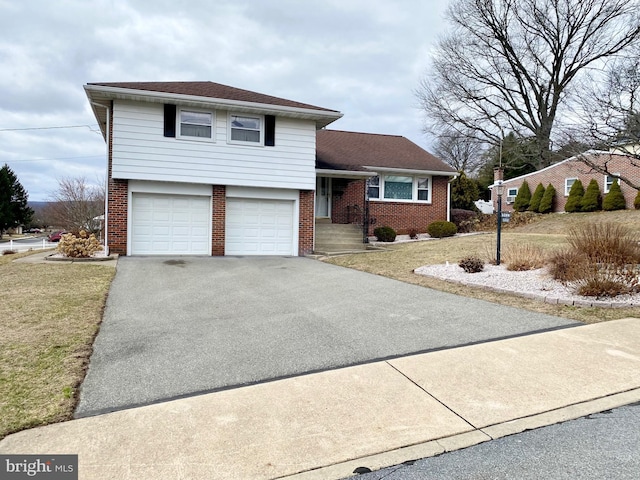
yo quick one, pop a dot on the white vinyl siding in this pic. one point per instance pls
(141, 152)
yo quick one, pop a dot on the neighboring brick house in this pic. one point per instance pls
(385, 178)
(199, 168)
(563, 174)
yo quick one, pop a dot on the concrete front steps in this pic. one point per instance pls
(332, 238)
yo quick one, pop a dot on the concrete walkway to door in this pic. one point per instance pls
(175, 327)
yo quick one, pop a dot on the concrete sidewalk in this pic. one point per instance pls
(324, 425)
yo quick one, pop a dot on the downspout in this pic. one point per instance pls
(106, 186)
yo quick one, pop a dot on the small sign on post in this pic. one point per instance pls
(506, 216)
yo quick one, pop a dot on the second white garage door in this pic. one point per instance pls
(170, 224)
(259, 227)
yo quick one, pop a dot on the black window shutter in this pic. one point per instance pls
(269, 130)
(169, 120)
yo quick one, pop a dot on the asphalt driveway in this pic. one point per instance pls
(180, 326)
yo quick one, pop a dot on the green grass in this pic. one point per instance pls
(49, 316)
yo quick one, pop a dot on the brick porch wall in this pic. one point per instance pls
(342, 205)
(306, 222)
(557, 174)
(218, 218)
(401, 216)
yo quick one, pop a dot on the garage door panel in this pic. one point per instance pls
(259, 227)
(165, 224)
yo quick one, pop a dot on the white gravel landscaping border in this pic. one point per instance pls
(534, 284)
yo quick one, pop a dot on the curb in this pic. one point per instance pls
(439, 446)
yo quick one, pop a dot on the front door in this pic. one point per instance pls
(323, 197)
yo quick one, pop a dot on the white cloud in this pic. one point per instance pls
(362, 57)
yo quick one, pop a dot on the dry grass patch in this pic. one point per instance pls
(48, 319)
(400, 260)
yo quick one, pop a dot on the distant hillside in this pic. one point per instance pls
(37, 205)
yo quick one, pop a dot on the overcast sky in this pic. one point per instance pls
(364, 58)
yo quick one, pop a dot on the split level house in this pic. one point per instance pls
(200, 168)
(562, 176)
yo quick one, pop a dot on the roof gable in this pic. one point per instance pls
(339, 150)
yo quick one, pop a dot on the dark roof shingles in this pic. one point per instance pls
(339, 150)
(211, 90)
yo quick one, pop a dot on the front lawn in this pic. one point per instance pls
(49, 316)
(400, 260)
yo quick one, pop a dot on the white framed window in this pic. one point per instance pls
(608, 181)
(399, 188)
(423, 185)
(195, 124)
(568, 183)
(373, 187)
(247, 129)
(512, 193)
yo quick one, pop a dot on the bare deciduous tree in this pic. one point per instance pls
(610, 114)
(76, 204)
(462, 152)
(509, 65)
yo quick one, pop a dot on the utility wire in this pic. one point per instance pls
(50, 128)
(57, 158)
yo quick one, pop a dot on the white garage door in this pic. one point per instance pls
(170, 224)
(259, 227)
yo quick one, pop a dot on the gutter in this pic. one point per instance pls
(322, 117)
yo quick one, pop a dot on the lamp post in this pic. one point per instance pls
(499, 187)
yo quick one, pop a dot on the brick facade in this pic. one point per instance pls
(348, 203)
(117, 204)
(218, 209)
(571, 168)
(306, 222)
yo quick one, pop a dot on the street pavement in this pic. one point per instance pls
(597, 446)
(181, 326)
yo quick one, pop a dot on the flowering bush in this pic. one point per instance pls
(80, 245)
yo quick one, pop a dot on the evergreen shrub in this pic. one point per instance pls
(592, 200)
(575, 197)
(534, 204)
(385, 234)
(548, 200)
(614, 200)
(441, 229)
